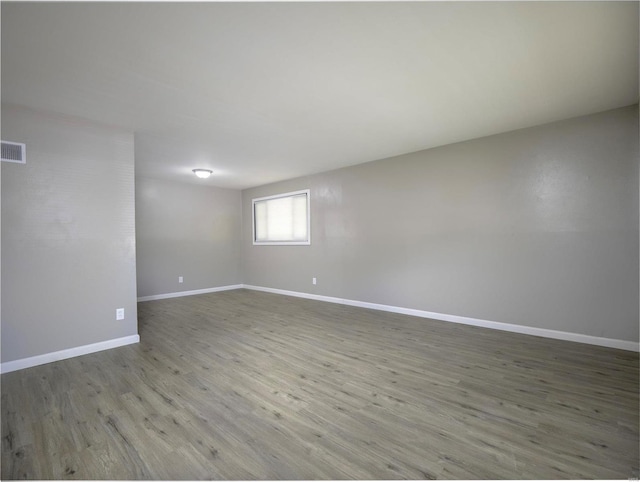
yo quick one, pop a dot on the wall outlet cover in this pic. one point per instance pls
(120, 314)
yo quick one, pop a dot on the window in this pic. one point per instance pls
(282, 219)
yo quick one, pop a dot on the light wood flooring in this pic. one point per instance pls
(250, 385)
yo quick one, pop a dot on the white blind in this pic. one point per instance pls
(282, 219)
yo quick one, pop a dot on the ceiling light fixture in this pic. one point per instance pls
(202, 173)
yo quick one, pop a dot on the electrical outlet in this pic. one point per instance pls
(180, 279)
(120, 314)
(313, 280)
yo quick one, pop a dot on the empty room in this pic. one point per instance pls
(320, 240)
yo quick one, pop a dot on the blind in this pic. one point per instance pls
(282, 219)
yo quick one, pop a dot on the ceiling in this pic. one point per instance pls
(261, 92)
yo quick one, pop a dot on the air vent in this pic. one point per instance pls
(14, 152)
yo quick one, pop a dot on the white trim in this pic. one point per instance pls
(306, 242)
(23, 363)
(12, 366)
(179, 294)
(526, 330)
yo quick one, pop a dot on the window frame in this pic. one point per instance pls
(306, 242)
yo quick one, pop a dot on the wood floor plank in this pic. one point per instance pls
(248, 385)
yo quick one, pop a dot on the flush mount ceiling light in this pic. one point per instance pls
(202, 173)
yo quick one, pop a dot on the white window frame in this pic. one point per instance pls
(278, 196)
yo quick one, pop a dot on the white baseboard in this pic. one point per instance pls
(178, 294)
(12, 366)
(526, 330)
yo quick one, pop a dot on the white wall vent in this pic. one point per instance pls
(14, 152)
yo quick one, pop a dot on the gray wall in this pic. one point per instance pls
(186, 230)
(68, 234)
(536, 227)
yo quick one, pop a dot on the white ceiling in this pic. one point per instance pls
(261, 92)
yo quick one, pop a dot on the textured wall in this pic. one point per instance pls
(536, 227)
(189, 231)
(68, 234)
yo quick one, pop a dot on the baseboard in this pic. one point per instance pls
(178, 294)
(12, 366)
(526, 330)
